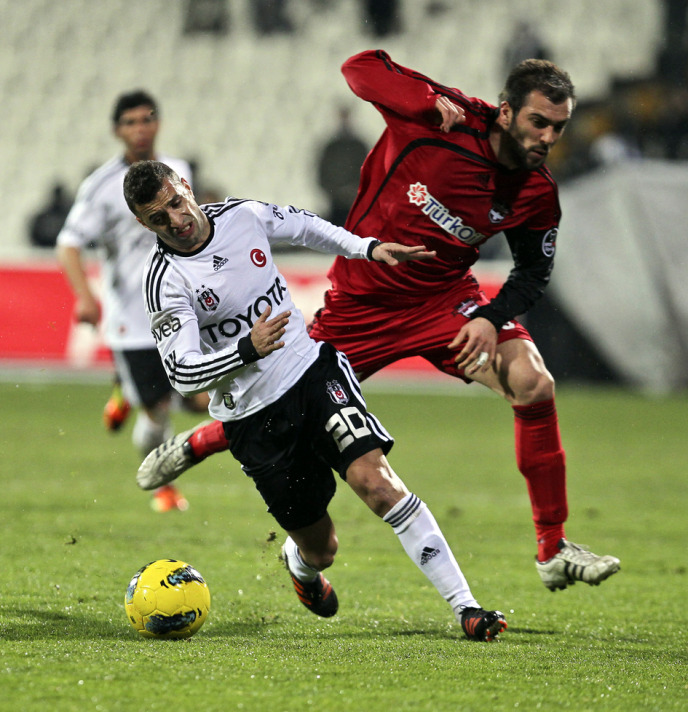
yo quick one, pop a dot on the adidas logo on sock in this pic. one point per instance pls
(428, 553)
(219, 262)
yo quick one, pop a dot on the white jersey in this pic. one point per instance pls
(202, 305)
(100, 216)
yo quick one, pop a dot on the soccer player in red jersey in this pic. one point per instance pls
(450, 172)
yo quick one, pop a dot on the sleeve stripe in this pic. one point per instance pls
(200, 374)
(211, 364)
(154, 277)
(214, 210)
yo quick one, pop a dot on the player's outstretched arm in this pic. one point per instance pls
(393, 253)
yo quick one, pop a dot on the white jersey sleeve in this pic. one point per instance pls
(300, 228)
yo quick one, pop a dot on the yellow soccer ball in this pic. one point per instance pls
(167, 599)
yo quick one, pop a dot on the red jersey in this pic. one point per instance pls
(443, 190)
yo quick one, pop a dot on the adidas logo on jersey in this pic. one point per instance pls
(428, 553)
(219, 262)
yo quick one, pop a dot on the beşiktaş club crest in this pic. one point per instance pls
(207, 298)
(337, 393)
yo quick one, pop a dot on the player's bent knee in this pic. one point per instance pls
(538, 386)
(522, 377)
(527, 378)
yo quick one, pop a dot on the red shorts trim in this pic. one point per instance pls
(373, 336)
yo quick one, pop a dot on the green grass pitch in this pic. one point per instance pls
(75, 528)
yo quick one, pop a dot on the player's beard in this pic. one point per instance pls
(517, 154)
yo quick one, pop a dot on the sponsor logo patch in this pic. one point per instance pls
(231, 326)
(418, 195)
(167, 328)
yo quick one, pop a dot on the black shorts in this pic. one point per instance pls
(291, 447)
(143, 376)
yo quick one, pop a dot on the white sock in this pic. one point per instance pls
(423, 541)
(297, 565)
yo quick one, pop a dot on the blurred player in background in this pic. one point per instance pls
(450, 172)
(290, 407)
(100, 217)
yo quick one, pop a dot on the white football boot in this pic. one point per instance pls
(167, 461)
(575, 563)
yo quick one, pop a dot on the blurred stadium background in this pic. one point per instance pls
(251, 89)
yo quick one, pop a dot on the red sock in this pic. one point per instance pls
(208, 439)
(541, 459)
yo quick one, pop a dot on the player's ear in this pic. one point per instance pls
(185, 183)
(506, 115)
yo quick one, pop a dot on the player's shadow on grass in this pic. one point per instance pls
(358, 624)
(36, 624)
(286, 630)
(530, 631)
(75, 624)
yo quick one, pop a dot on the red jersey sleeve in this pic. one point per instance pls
(374, 77)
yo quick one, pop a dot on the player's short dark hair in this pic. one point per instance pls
(537, 75)
(143, 182)
(131, 100)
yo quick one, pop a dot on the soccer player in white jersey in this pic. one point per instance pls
(100, 217)
(291, 408)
